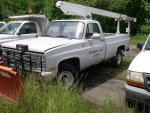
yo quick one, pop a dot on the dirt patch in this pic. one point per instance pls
(129, 55)
(112, 90)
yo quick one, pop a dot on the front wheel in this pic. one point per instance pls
(67, 75)
(117, 60)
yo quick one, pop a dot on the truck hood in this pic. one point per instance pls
(40, 44)
(6, 38)
(141, 62)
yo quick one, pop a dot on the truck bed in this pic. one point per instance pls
(109, 34)
(113, 41)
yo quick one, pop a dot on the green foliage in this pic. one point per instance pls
(51, 11)
(139, 9)
(145, 29)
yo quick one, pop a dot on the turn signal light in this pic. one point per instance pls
(135, 83)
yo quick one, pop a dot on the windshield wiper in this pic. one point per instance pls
(61, 36)
(47, 35)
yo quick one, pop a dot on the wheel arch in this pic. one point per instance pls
(75, 61)
(122, 48)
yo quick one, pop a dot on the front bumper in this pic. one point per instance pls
(46, 74)
(138, 94)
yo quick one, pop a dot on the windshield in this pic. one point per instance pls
(65, 29)
(148, 45)
(9, 28)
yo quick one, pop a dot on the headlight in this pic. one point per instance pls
(135, 76)
(135, 79)
(4, 52)
(41, 61)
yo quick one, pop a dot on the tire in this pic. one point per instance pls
(117, 60)
(67, 76)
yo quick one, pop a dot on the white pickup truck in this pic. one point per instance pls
(65, 48)
(23, 27)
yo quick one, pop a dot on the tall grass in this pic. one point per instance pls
(42, 97)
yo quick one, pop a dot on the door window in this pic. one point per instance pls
(28, 28)
(91, 29)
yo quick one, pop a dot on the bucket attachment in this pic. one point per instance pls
(11, 84)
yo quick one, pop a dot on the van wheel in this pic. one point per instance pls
(67, 75)
(117, 60)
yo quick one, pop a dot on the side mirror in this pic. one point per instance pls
(96, 36)
(139, 46)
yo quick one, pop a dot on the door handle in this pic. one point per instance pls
(102, 40)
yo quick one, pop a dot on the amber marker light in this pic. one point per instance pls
(135, 79)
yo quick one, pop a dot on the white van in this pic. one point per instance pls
(137, 85)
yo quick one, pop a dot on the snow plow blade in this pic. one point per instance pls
(11, 85)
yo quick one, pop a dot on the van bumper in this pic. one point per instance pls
(137, 94)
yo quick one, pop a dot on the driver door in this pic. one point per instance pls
(96, 45)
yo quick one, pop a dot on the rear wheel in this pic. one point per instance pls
(67, 75)
(117, 60)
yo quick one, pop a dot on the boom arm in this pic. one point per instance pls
(86, 12)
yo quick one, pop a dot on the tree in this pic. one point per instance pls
(139, 9)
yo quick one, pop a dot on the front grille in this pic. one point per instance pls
(25, 61)
(147, 81)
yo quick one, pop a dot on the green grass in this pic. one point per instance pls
(138, 39)
(42, 97)
(109, 107)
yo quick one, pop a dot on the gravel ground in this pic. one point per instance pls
(103, 81)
